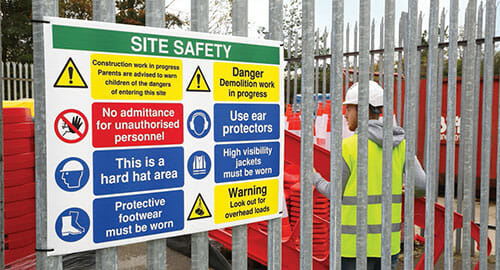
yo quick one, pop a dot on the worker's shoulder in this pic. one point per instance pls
(350, 141)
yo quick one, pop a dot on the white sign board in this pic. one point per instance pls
(154, 133)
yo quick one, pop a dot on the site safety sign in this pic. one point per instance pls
(154, 133)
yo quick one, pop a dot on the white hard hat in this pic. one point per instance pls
(72, 165)
(375, 98)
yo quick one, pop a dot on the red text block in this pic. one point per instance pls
(133, 124)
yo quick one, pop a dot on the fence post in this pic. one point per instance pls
(199, 241)
(104, 10)
(450, 136)
(362, 169)
(466, 128)
(156, 258)
(489, 55)
(2, 200)
(43, 262)
(336, 134)
(477, 83)
(239, 233)
(412, 71)
(274, 225)
(355, 66)
(388, 82)
(430, 138)
(306, 144)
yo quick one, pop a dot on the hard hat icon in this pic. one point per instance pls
(72, 174)
(72, 165)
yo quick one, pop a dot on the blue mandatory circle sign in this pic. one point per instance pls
(198, 123)
(72, 174)
(199, 165)
(72, 224)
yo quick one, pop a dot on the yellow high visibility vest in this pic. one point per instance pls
(374, 217)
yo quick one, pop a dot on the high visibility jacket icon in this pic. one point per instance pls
(199, 165)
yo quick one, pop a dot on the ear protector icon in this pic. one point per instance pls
(206, 123)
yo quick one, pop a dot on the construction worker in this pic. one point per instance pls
(349, 181)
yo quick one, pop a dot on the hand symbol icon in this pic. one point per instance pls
(75, 122)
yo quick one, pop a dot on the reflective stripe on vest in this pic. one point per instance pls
(374, 217)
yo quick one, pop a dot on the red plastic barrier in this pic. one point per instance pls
(19, 181)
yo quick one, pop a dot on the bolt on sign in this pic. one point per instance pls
(154, 133)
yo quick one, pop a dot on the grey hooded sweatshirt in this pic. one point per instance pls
(375, 134)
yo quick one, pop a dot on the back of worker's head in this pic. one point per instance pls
(375, 96)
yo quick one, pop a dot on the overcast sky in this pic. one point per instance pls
(258, 13)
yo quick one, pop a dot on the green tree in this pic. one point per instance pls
(17, 38)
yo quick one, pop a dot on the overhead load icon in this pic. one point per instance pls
(199, 209)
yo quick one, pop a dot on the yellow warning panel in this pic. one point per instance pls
(199, 209)
(70, 76)
(198, 82)
(244, 82)
(135, 77)
(245, 200)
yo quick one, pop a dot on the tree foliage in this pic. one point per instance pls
(17, 37)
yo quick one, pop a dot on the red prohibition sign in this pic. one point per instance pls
(70, 125)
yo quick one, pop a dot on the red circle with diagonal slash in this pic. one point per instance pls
(61, 117)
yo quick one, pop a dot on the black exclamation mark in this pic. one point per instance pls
(198, 79)
(70, 70)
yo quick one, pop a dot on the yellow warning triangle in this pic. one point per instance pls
(198, 82)
(199, 209)
(70, 76)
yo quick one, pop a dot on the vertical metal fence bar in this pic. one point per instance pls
(274, 225)
(26, 83)
(400, 71)
(239, 245)
(362, 170)
(14, 80)
(450, 135)
(411, 91)
(9, 92)
(381, 55)
(199, 15)
(306, 151)
(199, 241)
(388, 82)
(43, 262)
(295, 74)
(325, 36)
(288, 68)
(336, 133)
(316, 69)
(156, 249)
(346, 69)
(466, 128)
(355, 64)
(497, 191)
(439, 95)
(104, 10)
(418, 70)
(2, 181)
(489, 55)
(475, 121)
(32, 88)
(372, 47)
(430, 138)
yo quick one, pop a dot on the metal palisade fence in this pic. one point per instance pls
(17, 81)
(441, 114)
